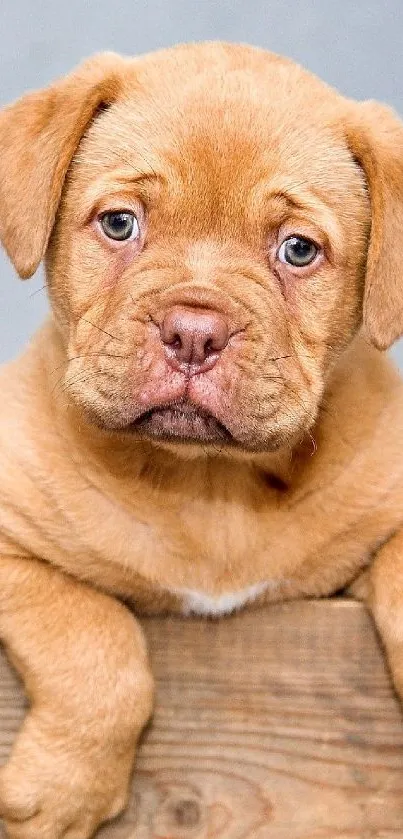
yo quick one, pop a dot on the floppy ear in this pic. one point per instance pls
(38, 137)
(375, 137)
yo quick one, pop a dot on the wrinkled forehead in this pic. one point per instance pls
(223, 140)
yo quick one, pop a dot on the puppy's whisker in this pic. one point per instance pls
(84, 378)
(278, 358)
(99, 354)
(57, 383)
(33, 293)
(82, 374)
(95, 325)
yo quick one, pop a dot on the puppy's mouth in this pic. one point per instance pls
(182, 422)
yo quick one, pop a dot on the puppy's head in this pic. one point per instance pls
(217, 225)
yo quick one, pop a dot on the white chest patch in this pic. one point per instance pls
(198, 603)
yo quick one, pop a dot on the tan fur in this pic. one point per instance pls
(221, 151)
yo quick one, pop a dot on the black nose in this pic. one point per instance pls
(193, 337)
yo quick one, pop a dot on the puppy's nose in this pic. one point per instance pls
(193, 337)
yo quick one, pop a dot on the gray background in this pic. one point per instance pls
(356, 46)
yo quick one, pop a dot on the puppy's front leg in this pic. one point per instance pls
(82, 657)
(385, 599)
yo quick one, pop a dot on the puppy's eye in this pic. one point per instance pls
(297, 251)
(120, 225)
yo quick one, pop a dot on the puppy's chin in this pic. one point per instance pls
(181, 423)
(189, 432)
(181, 426)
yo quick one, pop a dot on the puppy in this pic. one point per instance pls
(205, 420)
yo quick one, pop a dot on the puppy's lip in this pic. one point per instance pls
(183, 422)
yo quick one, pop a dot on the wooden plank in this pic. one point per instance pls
(273, 724)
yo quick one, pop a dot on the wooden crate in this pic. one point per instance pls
(279, 723)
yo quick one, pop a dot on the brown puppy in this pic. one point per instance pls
(206, 419)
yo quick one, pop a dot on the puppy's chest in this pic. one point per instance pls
(199, 602)
(205, 558)
(207, 555)
(210, 558)
(230, 557)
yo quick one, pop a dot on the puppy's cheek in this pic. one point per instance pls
(101, 269)
(320, 324)
(299, 293)
(94, 274)
(116, 262)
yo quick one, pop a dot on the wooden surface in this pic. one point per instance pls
(277, 724)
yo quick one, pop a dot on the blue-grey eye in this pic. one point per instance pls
(120, 225)
(297, 251)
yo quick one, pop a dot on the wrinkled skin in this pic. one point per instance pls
(284, 178)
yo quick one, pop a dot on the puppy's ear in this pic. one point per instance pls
(38, 137)
(375, 137)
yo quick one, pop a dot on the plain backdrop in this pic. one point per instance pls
(354, 45)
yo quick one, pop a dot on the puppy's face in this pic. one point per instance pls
(207, 264)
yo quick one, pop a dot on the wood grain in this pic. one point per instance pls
(277, 723)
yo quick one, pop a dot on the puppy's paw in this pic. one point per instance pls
(48, 791)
